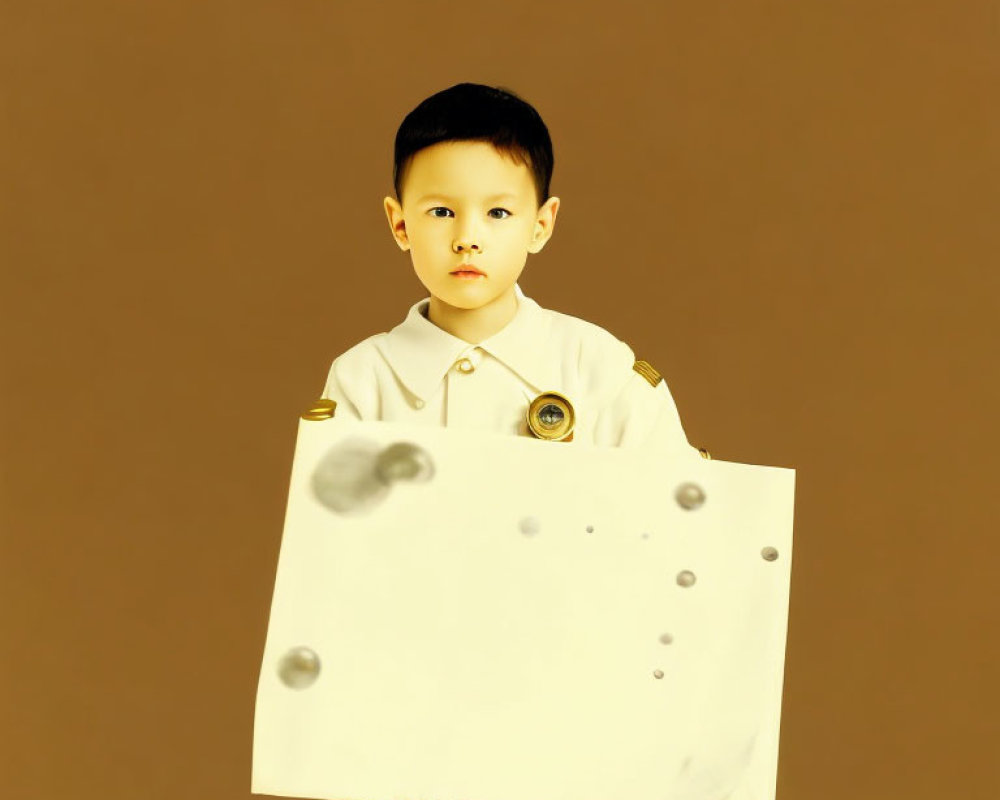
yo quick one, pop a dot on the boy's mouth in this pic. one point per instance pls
(467, 269)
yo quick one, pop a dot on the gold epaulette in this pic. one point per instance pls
(321, 409)
(645, 369)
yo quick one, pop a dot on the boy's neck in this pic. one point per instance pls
(474, 325)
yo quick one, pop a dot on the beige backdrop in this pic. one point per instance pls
(789, 208)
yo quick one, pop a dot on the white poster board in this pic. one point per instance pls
(533, 620)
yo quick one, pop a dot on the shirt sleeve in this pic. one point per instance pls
(642, 416)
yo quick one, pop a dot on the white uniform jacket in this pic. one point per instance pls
(420, 374)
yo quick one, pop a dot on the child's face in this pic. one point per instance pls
(465, 203)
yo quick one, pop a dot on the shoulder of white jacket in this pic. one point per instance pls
(360, 352)
(353, 378)
(357, 361)
(595, 342)
(600, 348)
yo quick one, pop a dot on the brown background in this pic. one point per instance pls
(789, 208)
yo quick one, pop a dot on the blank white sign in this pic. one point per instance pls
(515, 628)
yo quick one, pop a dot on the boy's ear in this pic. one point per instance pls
(394, 212)
(544, 224)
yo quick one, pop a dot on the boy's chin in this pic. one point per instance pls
(464, 303)
(471, 299)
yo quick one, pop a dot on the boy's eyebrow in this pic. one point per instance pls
(439, 196)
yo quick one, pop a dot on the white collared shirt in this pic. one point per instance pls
(419, 373)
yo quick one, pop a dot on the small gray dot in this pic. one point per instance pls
(666, 638)
(645, 534)
(657, 673)
(689, 496)
(590, 529)
(530, 525)
(769, 554)
(299, 668)
(685, 578)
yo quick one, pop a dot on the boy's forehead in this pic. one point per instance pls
(466, 168)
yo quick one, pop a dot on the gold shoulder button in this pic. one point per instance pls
(704, 453)
(321, 409)
(645, 369)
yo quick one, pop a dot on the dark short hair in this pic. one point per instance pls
(473, 112)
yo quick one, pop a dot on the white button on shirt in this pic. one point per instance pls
(420, 374)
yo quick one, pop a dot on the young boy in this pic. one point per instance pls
(472, 171)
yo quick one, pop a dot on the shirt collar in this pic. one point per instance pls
(421, 353)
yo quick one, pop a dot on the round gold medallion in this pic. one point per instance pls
(551, 417)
